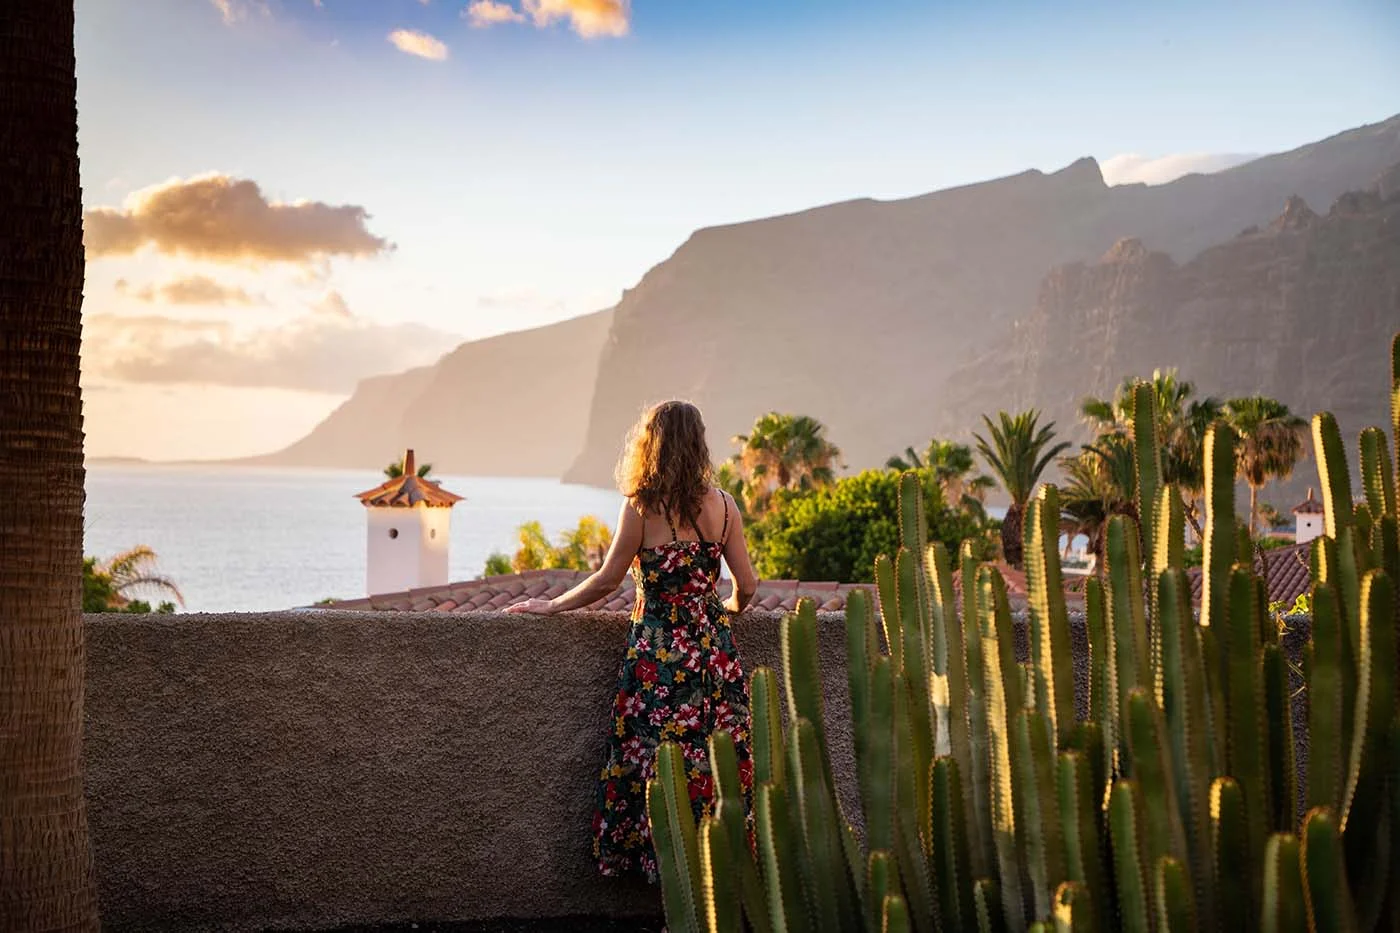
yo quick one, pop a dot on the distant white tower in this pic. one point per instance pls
(409, 523)
(1308, 515)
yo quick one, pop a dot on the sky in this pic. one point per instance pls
(283, 197)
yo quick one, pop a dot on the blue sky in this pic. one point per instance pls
(535, 172)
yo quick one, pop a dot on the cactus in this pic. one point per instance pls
(721, 895)
(1325, 890)
(952, 865)
(674, 835)
(1170, 808)
(1173, 898)
(1074, 908)
(1001, 684)
(1283, 907)
(1147, 458)
(1034, 769)
(1125, 818)
(1049, 619)
(1230, 854)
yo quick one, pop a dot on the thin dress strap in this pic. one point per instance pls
(672, 524)
(724, 532)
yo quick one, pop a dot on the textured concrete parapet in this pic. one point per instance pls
(306, 770)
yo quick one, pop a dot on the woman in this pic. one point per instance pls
(680, 678)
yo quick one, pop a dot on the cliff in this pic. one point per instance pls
(857, 313)
(1300, 308)
(513, 405)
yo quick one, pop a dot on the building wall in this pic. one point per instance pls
(1309, 526)
(307, 770)
(416, 556)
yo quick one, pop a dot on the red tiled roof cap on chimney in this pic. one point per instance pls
(408, 490)
(1309, 506)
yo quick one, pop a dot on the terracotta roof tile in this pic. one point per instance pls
(1309, 506)
(500, 591)
(408, 490)
(1285, 569)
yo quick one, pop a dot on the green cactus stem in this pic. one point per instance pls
(675, 839)
(1284, 910)
(1049, 617)
(721, 892)
(982, 834)
(1377, 473)
(910, 822)
(1187, 713)
(889, 608)
(1245, 729)
(1103, 688)
(1218, 554)
(908, 577)
(1125, 820)
(986, 894)
(787, 897)
(876, 767)
(896, 915)
(1325, 732)
(833, 899)
(1034, 768)
(1127, 620)
(1173, 897)
(1079, 798)
(729, 810)
(1231, 869)
(1074, 908)
(1325, 891)
(1152, 769)
(1147, 458)
(881, 879)
(767, 729)
(1375, 697)
(1278, 721)
(1332, 470)
(953, 871)
(1001, 679)
(960, 729)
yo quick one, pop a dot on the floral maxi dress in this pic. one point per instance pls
(680, 681)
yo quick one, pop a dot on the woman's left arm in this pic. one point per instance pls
(603, 581)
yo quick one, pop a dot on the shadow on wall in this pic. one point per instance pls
(308, 770)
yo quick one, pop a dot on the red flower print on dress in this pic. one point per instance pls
(677, 695)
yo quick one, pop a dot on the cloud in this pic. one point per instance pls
(192, 290)
(1131, 168)
(332, 303)
(483, 13)
(233, 11)
(318, 353)
(591, 19)
(226, 219)
(418, 43)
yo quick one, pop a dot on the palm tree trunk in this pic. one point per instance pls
(46, 877)
(1011, 544)
(1253, 508)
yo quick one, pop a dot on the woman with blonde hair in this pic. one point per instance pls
(681, 678)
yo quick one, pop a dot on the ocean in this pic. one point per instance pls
(248, 539)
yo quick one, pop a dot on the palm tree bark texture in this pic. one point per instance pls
(46, 876)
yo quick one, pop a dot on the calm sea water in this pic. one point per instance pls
(256, 539)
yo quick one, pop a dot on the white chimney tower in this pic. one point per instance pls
(409, 528)
(1308, 515)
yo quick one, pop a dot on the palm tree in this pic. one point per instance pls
(1181, 423)
(729, 479)
(133, 572)
(395, 469)
(784, 451)
(1270, 446)
(950, 463)
(584, 547)
(45, 854)
(1017, 454)
(1100, 482)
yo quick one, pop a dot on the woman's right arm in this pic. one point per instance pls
(736, 555)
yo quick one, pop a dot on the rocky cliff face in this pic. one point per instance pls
(858, 313)
(1301, 308)
(514, 405)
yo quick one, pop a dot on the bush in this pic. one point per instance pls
(834, 533)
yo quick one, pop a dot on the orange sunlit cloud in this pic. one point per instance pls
(224, 219)
(413, 42)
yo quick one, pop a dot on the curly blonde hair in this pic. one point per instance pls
(665, 465)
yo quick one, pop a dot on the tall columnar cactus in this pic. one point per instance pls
(990, 805)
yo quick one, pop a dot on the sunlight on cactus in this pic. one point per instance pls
(992, 803)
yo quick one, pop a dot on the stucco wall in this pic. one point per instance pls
(307, 770)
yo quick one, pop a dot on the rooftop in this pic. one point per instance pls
(1285, 571)
(500, 591)
(408, 490)
(1309, 506)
